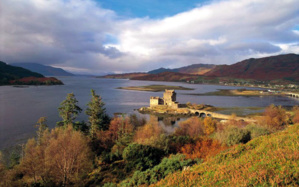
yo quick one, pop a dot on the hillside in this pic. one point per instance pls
(271, 160)
(15, 75)
(123, 76)
(167, 76)
(42, 69)
(285, 67)
(196, 69)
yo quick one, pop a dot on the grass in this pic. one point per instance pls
(271, 160)
(155, 88)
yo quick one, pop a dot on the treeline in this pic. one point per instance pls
(127, 150)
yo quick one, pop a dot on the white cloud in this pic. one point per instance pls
(73, 34)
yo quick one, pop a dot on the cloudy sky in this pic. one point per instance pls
(104, 36)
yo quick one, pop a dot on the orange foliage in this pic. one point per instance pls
(275, 118)
(210, 125)
(118, 127)
(203, 148)
(296, 114)
(147, 133)
(192, 127)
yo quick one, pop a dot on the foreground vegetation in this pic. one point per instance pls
(271, 160)
(130, 151)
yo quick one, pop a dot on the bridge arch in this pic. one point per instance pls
(196, 113)
(202, 115)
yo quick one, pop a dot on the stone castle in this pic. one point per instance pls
(169, 99)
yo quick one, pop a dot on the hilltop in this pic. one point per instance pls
(42, 69)
(285, 67)
(196, 69)
(17, 75)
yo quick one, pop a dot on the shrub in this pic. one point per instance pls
(167, 166)
(296, 114)
(148, 134)
(210, 125)
(203, 148)
(233, 135)
(256, 130)
(141, 157)
(275, 118)
(193, 127)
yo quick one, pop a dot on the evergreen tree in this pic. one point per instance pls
(68, 110)
(96, 111)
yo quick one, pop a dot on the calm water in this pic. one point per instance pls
(20, 108)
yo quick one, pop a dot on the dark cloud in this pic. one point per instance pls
(75, 34)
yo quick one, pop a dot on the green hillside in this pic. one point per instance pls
(8, 73)
(271, 160)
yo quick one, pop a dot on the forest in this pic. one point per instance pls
(130, 151)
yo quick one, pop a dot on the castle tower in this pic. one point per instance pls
(169, 97)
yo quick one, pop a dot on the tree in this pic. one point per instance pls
(98, 118)
(275, 118)
(68, 156)
(63, 158)
(42, 126)
(68, 110)
(210, 125)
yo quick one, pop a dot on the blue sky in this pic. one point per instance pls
(156, 9)
(117, 36)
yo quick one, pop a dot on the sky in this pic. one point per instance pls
(116, 36)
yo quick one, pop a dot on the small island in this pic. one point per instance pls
(167, 105)
(155, 88)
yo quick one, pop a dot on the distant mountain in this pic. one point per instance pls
(18, 75)
(162, 70)
(43, 69)
(282, 67)
(196, 69)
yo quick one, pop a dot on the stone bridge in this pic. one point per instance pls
(204, 113)
(296, 95)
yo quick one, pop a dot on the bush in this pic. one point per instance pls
(275, 118)
(256, 130)
(167, 166)
(233, 135)
(141, 157)
(193, 127)
(296, 115)
(202, 148)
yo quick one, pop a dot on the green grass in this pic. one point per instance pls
(271, 160)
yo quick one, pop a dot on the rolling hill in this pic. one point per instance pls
(42, 69)
(196, 69)
(285, 67)
(270, 160)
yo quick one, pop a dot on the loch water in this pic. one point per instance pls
(21, 107)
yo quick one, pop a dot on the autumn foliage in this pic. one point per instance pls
(192, 127)
(275, 118)
(62, 158)
(203, 148)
